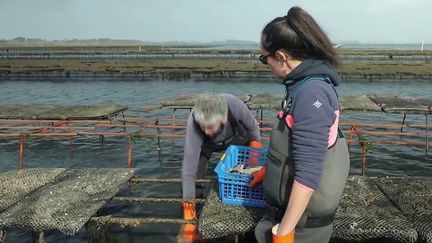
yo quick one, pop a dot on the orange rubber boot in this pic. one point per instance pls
(289, 238)
(189, 232)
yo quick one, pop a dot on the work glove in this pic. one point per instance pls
(189, 211)
(255, 144)
(289, 238)
(189, 232)
(257, 177)
(253, 156)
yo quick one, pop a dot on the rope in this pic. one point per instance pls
(147, 200)
(145, 180)
(136, 222)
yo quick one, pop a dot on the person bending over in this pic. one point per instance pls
(216, 121)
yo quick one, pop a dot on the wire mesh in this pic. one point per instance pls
(49, 111)
(66, 203)
(413, 196)
(17, 184)
(365, 214)
(219, 220)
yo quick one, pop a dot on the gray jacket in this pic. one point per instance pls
(195, 137)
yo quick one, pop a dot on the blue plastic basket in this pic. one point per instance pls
(234, 187)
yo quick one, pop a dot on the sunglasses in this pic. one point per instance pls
(263, 59)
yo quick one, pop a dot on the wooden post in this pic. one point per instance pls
(38, 238)
(158, 140)
(21, 152)
(427, 134)
(97, 232)
(261, 119)
(70, 143)
(2, 236)
(41, 237)
(124, 121)
(174, 123)
(363, 158)
(350, 137)
(403, 121)
(130, 153)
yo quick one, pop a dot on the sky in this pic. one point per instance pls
(365, 21)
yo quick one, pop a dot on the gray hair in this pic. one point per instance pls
(210, 109)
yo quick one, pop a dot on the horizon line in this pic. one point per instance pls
(231, 41)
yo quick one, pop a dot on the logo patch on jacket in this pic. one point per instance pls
(317, 104)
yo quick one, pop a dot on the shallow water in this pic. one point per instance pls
(91, 152)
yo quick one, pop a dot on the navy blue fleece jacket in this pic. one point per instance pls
(315, 112)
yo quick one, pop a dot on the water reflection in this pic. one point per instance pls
(392, 160)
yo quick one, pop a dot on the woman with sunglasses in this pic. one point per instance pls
(308, 161)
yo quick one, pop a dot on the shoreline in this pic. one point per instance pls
(185, 63)
(191, 75)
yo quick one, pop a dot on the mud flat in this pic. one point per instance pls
(184, 63)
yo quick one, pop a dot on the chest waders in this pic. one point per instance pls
(280, 173)
(239, 137)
